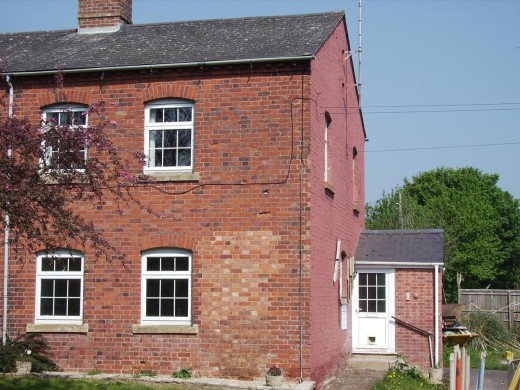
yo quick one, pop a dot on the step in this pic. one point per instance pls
(376, 362)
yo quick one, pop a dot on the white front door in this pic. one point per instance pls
(373, 308)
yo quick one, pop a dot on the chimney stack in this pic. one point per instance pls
(103, 15)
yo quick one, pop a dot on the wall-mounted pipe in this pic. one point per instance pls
(6, 232)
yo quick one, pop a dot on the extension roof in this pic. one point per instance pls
(258, 39)
(401, 247)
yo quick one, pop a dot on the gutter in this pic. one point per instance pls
(163, 66)
(398, 264)
(6, 230)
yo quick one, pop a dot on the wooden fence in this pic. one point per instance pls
(504, 303)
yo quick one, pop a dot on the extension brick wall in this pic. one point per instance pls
(418, 311)
(244, 225)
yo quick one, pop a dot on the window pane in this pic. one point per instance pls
(181, 307)
(156, 115)
(371, 307)
(47, 264)
(75, 264)
(60, 288)
(183, 264)
(74, 288)
(170, 115)
(53, 118)
(153, 264)
(185, 114)
(381, 292)
(46, 306)
(170, 138)
(64, 118)
(152, 307)
(363, 279)
(381, 307)
(381, 279)
(371, 279)
(169, 158)
(362, 292)
(74, 304)
(156, 137)
(184, 138)
(167, 288)
(157, 158)
(371, 293)
(184, 158)
(168, 264)
(152, 288)
(181, 288)
(47, 288)
(167, 308)
(62, 264)
(79, 118)
(60, 307)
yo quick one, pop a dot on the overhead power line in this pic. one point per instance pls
(442, 147)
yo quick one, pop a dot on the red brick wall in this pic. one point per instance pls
(419, 311)
(243, 227)
(332, 215)
(104, 13)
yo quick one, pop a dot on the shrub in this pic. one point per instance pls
(492, 334)
(32, 347)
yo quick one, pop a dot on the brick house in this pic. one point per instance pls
(264, 184)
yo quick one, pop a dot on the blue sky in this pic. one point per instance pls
(440, 78)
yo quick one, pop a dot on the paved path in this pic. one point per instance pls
(355, 379)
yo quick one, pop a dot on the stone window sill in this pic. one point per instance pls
(329, 188)
(173, 176)
(56, 328)
(165, 329)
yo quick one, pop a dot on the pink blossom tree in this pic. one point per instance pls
(44, 172)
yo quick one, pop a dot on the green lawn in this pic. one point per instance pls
(35, 383)
(399, 380)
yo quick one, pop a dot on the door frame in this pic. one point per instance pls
(390, 310)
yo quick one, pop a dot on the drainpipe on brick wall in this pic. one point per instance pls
(6, 231)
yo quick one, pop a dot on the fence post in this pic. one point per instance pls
(510, 311)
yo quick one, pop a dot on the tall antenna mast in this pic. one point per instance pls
(360, 51)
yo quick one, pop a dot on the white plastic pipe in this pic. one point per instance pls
(6, 233)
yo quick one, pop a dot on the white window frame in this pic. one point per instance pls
(150, 126)
(64, 108)
(58, 275)
(177, 275)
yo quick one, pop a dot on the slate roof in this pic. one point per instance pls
(401, 246)
(178, 43)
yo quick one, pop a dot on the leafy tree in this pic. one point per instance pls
(481, 224)
(43, 173)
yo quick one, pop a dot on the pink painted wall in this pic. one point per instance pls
(337, 215)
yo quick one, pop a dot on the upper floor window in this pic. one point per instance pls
(62, 150)
(169, 135)
(59, 287)
(166, 287)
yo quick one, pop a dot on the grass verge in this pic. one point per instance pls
(8, 382)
